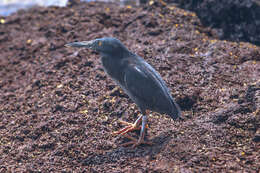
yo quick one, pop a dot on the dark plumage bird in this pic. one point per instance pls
(137, 78)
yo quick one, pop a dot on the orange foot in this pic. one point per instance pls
(129, 127)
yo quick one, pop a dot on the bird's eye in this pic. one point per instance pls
(99, 43)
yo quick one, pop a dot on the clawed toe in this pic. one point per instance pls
(131, 127)
(125, 123)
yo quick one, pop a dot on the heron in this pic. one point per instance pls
(138, 79)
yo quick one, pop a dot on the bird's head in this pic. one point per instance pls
(106, 45)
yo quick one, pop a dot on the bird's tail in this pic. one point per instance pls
(176, 111)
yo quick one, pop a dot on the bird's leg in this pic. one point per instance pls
(141, 140)
(130, 127)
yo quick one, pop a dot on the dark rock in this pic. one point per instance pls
(236, 20)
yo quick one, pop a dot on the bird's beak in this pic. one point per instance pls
(86, 44)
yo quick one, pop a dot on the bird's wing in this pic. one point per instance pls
(145, 85)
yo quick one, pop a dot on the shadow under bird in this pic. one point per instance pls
(138, 79)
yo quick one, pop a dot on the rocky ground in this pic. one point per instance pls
(58, 108)
(229, 19)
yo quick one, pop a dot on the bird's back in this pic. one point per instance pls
(146, 87)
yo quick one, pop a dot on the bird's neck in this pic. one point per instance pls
(118, 54)
(113, 66)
